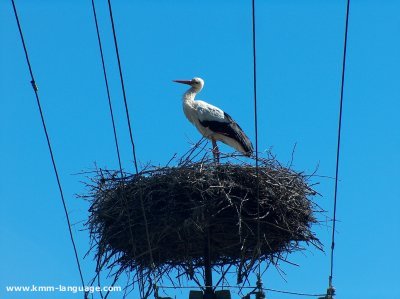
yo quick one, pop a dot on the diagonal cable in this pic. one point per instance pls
(256, 127)
(338, 141)
(131, 136)
(107, 86)
(35, 89)
(112, 119)
(123, 86)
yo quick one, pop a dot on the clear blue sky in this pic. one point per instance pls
(299, 64)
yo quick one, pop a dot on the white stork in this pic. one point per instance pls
(212, 122)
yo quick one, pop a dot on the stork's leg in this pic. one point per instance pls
(215, 151)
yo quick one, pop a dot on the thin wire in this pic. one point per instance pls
(111, 114)
(256, 126)
(293, 293)
(107, 87)
(245, 287)
(338, 141)
(130, 135)
(123, 86)
(35, 89)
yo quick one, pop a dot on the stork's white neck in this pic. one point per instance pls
(189, 95)
(189, 104)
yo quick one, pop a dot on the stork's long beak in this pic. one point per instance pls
(188, 82)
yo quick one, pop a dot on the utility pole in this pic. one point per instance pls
(209, 292)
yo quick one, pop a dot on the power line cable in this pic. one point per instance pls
(246, 287)
(35, 89)
(107, 86)
(131, 137)
(112, 116)
(292, 293)
(338, 142)
(123, 86)
(256, 128)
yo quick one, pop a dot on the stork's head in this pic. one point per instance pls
(196, 83)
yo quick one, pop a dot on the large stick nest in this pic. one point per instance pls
(239, 215)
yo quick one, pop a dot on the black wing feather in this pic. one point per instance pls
(230, 129)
